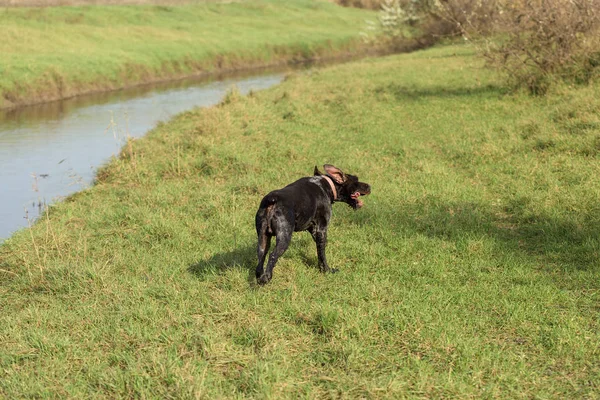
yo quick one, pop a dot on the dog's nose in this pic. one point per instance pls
(368, 189)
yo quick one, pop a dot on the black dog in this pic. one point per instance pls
(304, 205)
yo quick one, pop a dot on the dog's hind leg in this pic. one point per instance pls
(282, 226)
(283, 241)
(264, 242)
(264, 233)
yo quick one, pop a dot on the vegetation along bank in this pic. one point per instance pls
(471, 271)
(49, 53)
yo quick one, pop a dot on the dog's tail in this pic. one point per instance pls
(268, 200)
(265, 214)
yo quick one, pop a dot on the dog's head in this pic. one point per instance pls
(348, 187)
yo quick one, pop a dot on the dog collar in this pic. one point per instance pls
(328, 179)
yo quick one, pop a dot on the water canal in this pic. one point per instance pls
(51, 150)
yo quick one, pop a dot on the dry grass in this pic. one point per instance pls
(545, 41)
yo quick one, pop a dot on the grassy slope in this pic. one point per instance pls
(471, 271)
(60, 51)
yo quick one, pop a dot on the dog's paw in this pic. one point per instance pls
(263, 279)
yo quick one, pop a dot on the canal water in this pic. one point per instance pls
(51, 150)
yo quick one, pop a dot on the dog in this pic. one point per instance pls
(304, 205)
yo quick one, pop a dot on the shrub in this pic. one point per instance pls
(539, 41)
(370, 4)
(428, 21)
(455, 17)
(533, 42)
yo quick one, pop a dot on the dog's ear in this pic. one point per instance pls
(317, 172)
(335, 173)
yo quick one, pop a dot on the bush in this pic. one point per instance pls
(533, 42)
(455, 17)
(428, 21)
(539, 41)
(370, 4)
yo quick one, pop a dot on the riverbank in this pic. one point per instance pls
(470, 272)
(51, 150)
(53, 53)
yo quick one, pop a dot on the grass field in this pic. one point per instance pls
(57, 3)
(472, 271)
(55, 52)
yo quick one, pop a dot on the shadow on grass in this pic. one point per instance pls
(404, 93)
(560, 244)
(243, 258)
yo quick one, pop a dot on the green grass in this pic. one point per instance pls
(54, 52)
(471, 271)
(56, 3)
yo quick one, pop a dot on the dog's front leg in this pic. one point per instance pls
(320, 237)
